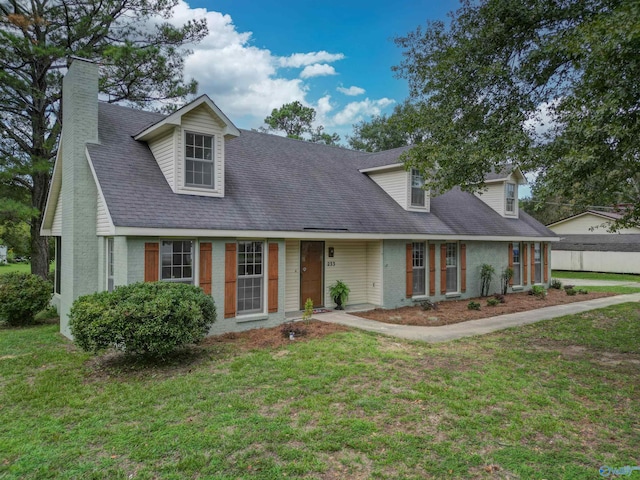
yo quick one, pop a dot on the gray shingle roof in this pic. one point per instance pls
(279, 184)
(599, 243)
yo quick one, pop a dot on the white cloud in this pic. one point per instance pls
(351, 91)
(317, 70)
(248, 82)
(298, 60)
(356, 111)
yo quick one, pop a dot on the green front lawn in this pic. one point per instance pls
(595, 276)
(557, 399)
(15, 267)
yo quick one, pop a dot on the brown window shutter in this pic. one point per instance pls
(533, 263)
(545, 261)
(205, 267)
(273, 277)
(151, 261)
(409, 264)
(432, 269)
(443, 268)
(524, 261)
(463, 267)
(230, 275)
(511, 262)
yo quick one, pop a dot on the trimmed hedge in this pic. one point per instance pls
(22, 296)
(145, 318)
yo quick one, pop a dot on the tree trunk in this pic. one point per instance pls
(39, 244)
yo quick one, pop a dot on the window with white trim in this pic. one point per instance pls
(250, 277)
(537, 263)
(517, 267)
(199, 160)
(511, 198)
(452, 267)
(58, 276)
(419, 270)
(176, 261)
(110, 264)
(417, 188)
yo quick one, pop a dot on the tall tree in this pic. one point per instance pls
(502, 68)
(141, 57)
(384, 132)
(294, 118)
(320, 136)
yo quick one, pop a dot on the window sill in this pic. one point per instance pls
(254, 317)
(517, 288)
(453, 295)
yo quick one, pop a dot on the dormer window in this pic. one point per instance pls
(199, 160)
(511, 198)
(417, 188)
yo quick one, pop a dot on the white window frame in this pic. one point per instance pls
(109, 264)
(517, 266)
(419, 260)
(537, 262)
(212, 161)
(57, 278)
(510, 198)
(415, 173)
(189, 280)
(450, 268)
(261, 277)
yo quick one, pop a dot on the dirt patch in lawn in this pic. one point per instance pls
(276, 336)
(455, 311)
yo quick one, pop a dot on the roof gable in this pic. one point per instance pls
(175, 120)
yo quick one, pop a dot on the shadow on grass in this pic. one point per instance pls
(122, 365)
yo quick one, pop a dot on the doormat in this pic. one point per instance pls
(320, 310)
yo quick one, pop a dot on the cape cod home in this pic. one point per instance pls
(262, 222)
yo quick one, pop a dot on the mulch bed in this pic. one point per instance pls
(456, 311)
(276, 336)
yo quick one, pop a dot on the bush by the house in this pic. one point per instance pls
(582, 291)
(493, 302)
(555, 283)
(145, 318)
(500, 298)
(538, 291)
(473, 305)
(428, 305)
(22, 296)
(570, 291)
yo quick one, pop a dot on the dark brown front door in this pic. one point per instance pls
(311, 263)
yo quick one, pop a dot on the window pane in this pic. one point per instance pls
(452, 279)
(177, 261)
(189, 139)
(250, 269)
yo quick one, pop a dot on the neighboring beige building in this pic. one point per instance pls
(587, 245)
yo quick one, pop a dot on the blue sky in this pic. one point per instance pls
(333, 56)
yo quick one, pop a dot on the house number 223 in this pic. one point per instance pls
(331, 264)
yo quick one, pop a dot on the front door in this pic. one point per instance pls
(311, 278)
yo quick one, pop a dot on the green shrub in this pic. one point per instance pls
(22, 296)
(570, 291)
(538, 291)
(151, 319)
(473, 305)
(582, 291)
(493, 302)
(555, 283)
(428, 305)
(505, 278)
(500, 298)
(486, 274)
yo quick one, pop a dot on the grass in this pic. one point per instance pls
(557, 399)
(15, 267)
(595, 276)
(619, 289)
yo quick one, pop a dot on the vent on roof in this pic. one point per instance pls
(320, 229)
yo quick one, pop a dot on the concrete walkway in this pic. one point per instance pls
(590, 283)
(473, 327)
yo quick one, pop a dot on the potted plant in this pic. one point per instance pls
(339, 291)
